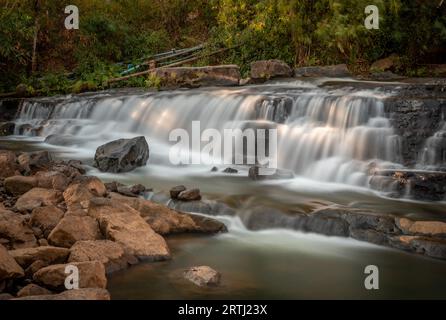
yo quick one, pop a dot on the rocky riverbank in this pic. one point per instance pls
(52, 216)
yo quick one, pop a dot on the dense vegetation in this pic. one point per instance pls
(38, 51)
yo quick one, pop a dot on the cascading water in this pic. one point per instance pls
(332, 136)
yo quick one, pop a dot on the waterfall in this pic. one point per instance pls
(434, 151)
(327, 135)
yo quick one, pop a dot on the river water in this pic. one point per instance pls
(328, 138)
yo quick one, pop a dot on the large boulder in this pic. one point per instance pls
(337, 71)
(9, 268)
(91, 275)
(8, 164)
(81, 294)
(192, 77)
(203, 276)
(18, 185)
(268, 69)
(124, 225)
(83, 189)
(14, 229)
(110, 253)
(74, 228)
(46, 218)
(122, 155)
(49, 255)
(38, 197)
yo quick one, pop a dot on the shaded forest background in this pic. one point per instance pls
(37, 51)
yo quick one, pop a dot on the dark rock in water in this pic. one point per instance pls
(203, 276)
(122, 155)
(131, 191)
(431, 247)
(214, 169)
(207, 225)
(230, 170)
(190, 195)
(175, 191)
(268, 174)
(113, 186)
(369, 235)
(420, 185)
(339, 70)
(7, 129)
(209, 207)
(269, 69)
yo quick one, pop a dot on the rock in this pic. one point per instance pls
(431, 247)
(369, 235)
(175, 191)
(34, 267)
(207, 225)
(385, 64)
(7, 129)
(14, 229)
(203, 276)
(52, 180)
(72, 229)
(91, 275)
(38, 197)
(83, 189)
(81, 294)
(214, 169)
(48, 255)
(9, 269)
(43, 243)
(113, 186)
(109, 253)
(33, 290)
(131, 191)
(6, 296)
(269, 174)
(124, 225)
(425, 228)
(8, 164)
(122, 155)
(268, 69)
(190, 195)
(230, 170)
(193, 77)
(18, 185)
(35, 161)
(46, 218)
(340, 70)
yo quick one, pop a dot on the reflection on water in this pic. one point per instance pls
(279, 264)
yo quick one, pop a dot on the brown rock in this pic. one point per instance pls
(72, 229)
(34, 267)
(33, 290)
(18, 185)
(110, 253)
(339, 70)
(52, 180)
(9, 269)
(91, 275)
(6, 296)
(175, 191)
(46, 218)
(267, 69)
(124, 225)
(38, 197)
(14, 229)
(83, 189)
(203, 276)
(8, 164)
(190, 195)
(43, 243)
(385, 64)
(428, 228)
(49, 255)
(81, 294)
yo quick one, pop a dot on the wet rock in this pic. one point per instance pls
(175, 191)
(7, 129)
(72, 229)
(46, 218)
(230, 170)
(369, 235)
(431, 247)
(83, 189)
(14, 229)
(214, 169)
(209, 207)
(33, 290)
(109, 253)
(269, 69)
(268, 174)
(131, 191)
(340, 70)
(48, 255)
(425, 228)
(203, 276)
(9, 269)
(91, 275)
(122, 155)
(190, 195)
(8, 164)
(18, 185)
(38, 197)
(81, 294)
(124, 225)
(193, 77)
